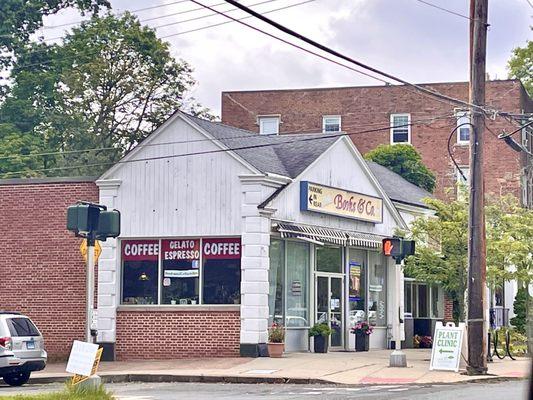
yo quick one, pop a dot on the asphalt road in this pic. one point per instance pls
(511, 390)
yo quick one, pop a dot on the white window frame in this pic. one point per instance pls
(325, 117)
(462, 114)
(262, 118)
(459, 179)
(392, 116)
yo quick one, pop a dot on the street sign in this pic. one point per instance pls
(447, 346)
(97, 250)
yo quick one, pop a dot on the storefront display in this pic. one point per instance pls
(377, 290)
(176, 272)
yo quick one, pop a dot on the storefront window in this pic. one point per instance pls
(181, 271)
(377, 290)
(140, 260)
(275, 279)
(297, 287)
(435, 301)
(329, 259)
(357, 286)
(222, 271)
(423, 300)
(408, 299)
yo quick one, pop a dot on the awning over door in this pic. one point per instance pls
(329, 235)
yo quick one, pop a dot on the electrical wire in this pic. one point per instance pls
(450, 150)
(226, 149)
(338, 54)
(423, 121)
(445, 9)
(503, 135)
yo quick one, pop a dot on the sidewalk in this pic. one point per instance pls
(348, 368)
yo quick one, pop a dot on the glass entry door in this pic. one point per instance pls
(330, 306)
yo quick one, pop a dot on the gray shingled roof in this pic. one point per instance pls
(290, 155)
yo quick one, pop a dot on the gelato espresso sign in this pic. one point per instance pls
(334, 201)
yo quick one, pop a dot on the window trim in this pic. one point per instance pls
(324, 117)
(392, 127)
(458, 115)
(268, 116)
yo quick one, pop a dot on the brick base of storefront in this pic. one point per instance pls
(448, 309)
(177, 334)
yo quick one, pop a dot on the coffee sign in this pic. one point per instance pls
(334, 201)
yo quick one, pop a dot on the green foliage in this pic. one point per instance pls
(442, 246)
(320, 330)
(520, 308)
(276, 334)
(70, 393)
(405, 161)
(521, 65)
(21, 18)
(106, 87)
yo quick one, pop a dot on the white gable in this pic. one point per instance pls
(193, 195)
(341, 166)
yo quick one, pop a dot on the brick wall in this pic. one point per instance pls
(171, 334)
(448, 308)
(42, 273)
(363, 108)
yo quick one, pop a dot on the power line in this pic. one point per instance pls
(444, 9)
(337, 54)
(421, 121)
(505, 135)
(154, 158)
(530, 3)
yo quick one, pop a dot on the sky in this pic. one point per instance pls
(406, 38)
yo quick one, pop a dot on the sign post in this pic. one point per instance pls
(447, 347)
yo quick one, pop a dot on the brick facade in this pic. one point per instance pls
(448, 308)
(364, 108)
(177, 334)
(42, 273)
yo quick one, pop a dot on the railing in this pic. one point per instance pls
(499, 317)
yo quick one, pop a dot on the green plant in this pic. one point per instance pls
(276, 334)
(320, 330)
(520, 308)
(69, 393)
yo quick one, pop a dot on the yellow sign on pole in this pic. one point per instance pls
(97, 250)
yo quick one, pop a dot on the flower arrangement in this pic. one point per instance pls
(364, 327)
(422, 342)
(276, 333)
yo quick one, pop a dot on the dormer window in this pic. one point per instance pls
(268, 124)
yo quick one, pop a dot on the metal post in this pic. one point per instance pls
(90, 288)
(477, 358)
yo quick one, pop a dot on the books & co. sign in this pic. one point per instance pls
(343, 203)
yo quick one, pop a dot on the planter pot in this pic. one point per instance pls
(362, 341)
(275, 350)
(321, 344)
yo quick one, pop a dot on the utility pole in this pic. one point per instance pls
(90, 288)
(477, 358)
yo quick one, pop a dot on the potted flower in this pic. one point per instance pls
(276, 337)
(320, 333)
(362, 331)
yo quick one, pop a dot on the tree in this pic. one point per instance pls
(21, 18)
(521, 66)
(520, 308)
(442, 246)
(405, 161)
(107, 87)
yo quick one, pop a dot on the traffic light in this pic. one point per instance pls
(398, 248)
(392, 247)
(93, 221)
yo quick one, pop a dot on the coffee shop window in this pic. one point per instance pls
(140, 260)
(181, 271)
(221, 271)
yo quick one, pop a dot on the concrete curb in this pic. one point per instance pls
(151, 378)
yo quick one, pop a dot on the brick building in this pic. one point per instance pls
(42, 273)
(356, 109)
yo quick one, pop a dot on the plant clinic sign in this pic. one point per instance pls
(447, 346)
(334, 201)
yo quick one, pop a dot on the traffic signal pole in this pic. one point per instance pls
(477, 358)
(90, 287)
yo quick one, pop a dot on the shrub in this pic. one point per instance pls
(320, 330)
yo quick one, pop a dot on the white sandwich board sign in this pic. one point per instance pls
(81, 359)
(447, 346)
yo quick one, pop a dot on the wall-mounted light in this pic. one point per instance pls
(144, 277)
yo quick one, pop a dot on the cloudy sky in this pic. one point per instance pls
(404, 37)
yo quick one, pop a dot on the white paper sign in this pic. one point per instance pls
(447, 345)
(176, 273)
(82, 358)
